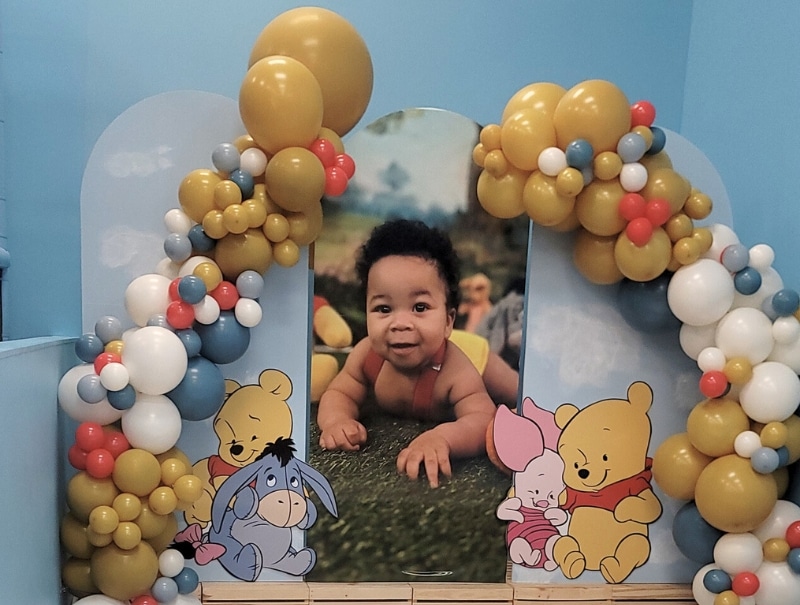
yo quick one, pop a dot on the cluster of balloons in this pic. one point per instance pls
(121, 518)
(308, 82)
(587, 160)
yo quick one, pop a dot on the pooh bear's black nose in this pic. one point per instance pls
(583, 473)
(236, 449)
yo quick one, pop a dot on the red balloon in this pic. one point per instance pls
(116, 443)
(89, 436)
(105, 358)
(639, 231)
(325, 151)
(658, 211)
(173, 289)
(631, 206)
(642, 114)
(144, 599)
(99, 463)
(335, 181)
(180, 314)
(714, 384)
(745, 584)
(77, 457)
(346, 163)
(793, 535)
(226, 294)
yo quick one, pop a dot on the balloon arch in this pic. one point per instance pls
(581, 160)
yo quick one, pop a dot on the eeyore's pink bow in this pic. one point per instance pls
(204, 552)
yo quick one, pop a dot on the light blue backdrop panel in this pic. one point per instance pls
(579, 349)
(131, 181)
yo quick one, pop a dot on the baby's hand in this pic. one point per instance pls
(429, 449)
(348, 435)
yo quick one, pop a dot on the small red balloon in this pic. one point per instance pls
(103, 359)
(144, 599)
(77, 457)
(226, 295)
(793, 534)
(657, 211)
(642, 114)
(173, 289)
(89, 436)
(714, 384)
(745, 584)
(99, 463)
(639, 231)
(180, 314)
(116, 443)
(335, 181)
(325, 151)
(346, 163)
(631, 206)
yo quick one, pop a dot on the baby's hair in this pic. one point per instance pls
(402, 237)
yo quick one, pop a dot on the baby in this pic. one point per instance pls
(410, 274)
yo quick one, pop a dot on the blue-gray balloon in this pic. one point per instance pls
(90, 389)
(177, 247)
(108, 328)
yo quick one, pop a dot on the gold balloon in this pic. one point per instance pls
(98, 540)
(776, 550)
(280, 103)
(163, 539)
(76, 573)
(236, 253)
(276, 227)
(124, 574)
(607, 165)
(524, 135)
(703, 236)
(174, 452)
(593, 256)
(73, 537)
(333, 51)
(496, 163)
(781, 476)
(214, 224)
(137, 471)
(188, 488)
(305, 227)
(645, 133)
(127, 535)
(255, 211)
(260, 194)
(595, 110)
(676, 466)
(150, 523)
(598, 207)
(334, 138)
(543, 203)
(793, 437)
(490, 137)
(127, 505)
(295, 178)
(686, 250)
(162, 500)
(568, 224)
(739, 370)
(774, 435)
(666, 184)
(171, 470)
(243, 142)
(502, 196)
(569, 182)
(678, 226)
(196, 193)
(286, 253)
(103, 519)
(656, 161)
(539, 96)
(84, 493)
(209, 272)
(643, 263)
(226, 193)
(698, 206)
(235, 219)
(733, 497)
(479, 155)
(713, 425)
(114, 346)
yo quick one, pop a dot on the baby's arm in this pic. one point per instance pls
(337, 415)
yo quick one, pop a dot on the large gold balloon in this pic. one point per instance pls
(524, 135)
(162, 540)
(137, 471)
(237, 253)
(84, 493)
(676, 466)
(595, 110)
(331, 48)
(733, 497)
(597, 207)
(196, 193)
(643, 263)
(540, 96)
(73, 537)
(593, 256)
(124, 573)
(280, 103)
(656, 161)
(543, 203)
(502, 196)
(666, 184)
(295, 179)
(76, 573)
(713, 425)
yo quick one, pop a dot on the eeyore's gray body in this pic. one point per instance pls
(256, 530)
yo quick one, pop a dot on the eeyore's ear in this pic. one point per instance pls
(320, 485)
(229, 488)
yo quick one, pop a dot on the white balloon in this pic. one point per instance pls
(734, 553)
(177, 221)
(253, 161)
(206, 311)
(723, 236)
(191, 263)
(779, 585)
(248, 312)
(633, 177)
(771, 282)
(786, 330)
(700, 293)
(746, 443)
(114, 376)
(99, 599)
(187, 599)
(788, 354)
(170, 562)
(168, 268)
(694, 339)
(784, 513)
(711, 359)
(145, 296)
(102, 412)
(745, 332)
(772, 394)
(152, 424)
(701, 594)
(761, 256)
(552, 160)
(155, 358)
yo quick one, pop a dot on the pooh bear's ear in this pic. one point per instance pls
(277, 383)
(564, 413)
(640, 395)
(231, 386)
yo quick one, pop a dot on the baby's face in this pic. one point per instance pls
(407, 313)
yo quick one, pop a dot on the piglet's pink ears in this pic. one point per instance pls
(545, 420)
(517, 439)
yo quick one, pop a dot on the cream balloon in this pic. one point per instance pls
(700, 293)
(155, 358)
(772, 394)
(745, 332)
(146, 296)
(153, 423)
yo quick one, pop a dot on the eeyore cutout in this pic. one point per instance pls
(256, 529)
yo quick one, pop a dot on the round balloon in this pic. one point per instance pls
(295, 178)
(595, 110)
(677, 465)
(155, 358)
(701, 293)
(593, 256)
(248, 251)
(102, 412)
(201, 392)
(146, 296)
(224, 341)
(124, 574)
(542, 97)
(693, 535)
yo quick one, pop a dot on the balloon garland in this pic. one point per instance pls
(587, 161)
